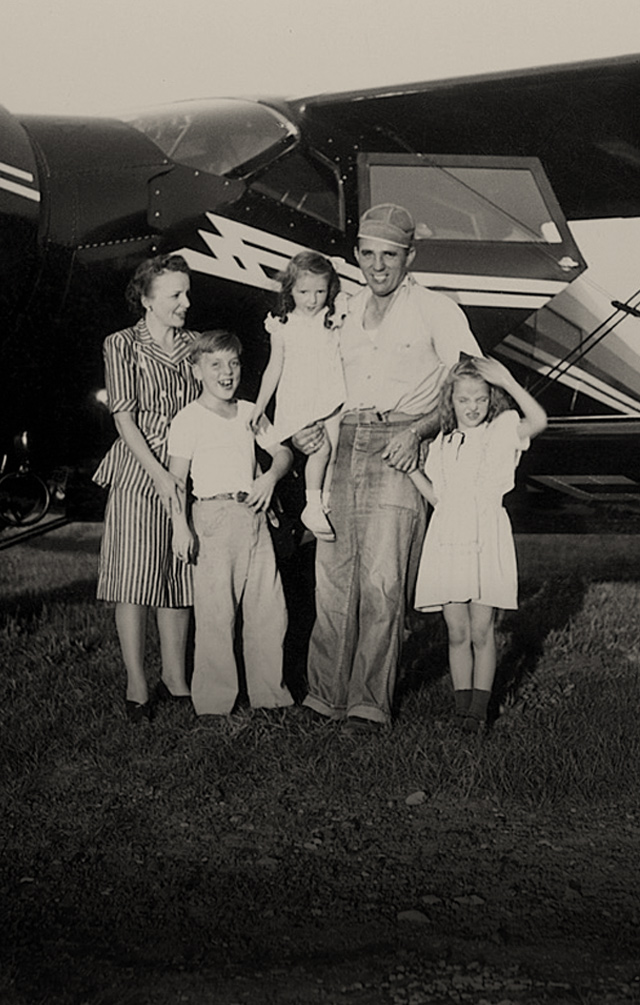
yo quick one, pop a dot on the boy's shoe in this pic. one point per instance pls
(356, 724)
(162, 694)
(315, 519)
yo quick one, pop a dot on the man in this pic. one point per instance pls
(398, 342)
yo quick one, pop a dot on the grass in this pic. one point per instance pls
(168, 845)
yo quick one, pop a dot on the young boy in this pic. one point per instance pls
(234, 561)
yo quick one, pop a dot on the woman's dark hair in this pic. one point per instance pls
(142, 280)
(499, 400)
(217, 340)
(306, 261)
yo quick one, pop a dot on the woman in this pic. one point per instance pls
(148, 380)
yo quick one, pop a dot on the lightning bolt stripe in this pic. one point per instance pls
(246, 255)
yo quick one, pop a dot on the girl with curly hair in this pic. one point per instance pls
(468, 565)
(306, 370)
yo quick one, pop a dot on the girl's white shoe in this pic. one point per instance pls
(315, 519)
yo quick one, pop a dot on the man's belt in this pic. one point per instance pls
(371, 417)
(235, 496)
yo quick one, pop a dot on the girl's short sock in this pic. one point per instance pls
(478, 706)
(462, 699)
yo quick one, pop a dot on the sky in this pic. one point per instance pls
(85, 56)
(105, 56)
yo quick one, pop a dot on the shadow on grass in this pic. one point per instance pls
(547, 610)
(28, 606)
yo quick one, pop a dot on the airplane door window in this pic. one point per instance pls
(467, 204)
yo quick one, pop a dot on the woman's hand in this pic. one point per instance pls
(309, 439)
(182, 543)
(402, 451)
(171, 491)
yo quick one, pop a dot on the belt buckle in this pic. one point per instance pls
(241, 496)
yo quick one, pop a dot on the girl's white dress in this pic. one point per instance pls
(468, 551)
(311, 385)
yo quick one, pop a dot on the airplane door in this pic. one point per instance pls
(489, 231)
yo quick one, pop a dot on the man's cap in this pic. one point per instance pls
(389, 223)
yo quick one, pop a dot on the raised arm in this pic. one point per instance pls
(535, 417)
(270, 380)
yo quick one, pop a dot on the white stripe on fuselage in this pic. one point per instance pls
(21, 190)
(568, 374)
(16, 172)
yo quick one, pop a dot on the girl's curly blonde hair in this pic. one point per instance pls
(499, 400)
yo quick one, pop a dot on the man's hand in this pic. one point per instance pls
(309, 439)
(402, 451)
(261, 492)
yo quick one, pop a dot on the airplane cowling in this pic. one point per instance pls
(20, 208)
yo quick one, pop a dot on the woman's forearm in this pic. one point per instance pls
(132, 435)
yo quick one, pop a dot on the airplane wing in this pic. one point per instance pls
(581, 120)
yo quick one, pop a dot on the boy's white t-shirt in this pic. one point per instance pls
(221, 451)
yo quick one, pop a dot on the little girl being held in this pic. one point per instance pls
(306, 370)
(468, 565)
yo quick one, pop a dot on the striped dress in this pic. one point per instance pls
(137, 565)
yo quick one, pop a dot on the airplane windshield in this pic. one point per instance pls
(451, 203)
(222, 137)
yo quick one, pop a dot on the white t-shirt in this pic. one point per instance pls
(221, 451)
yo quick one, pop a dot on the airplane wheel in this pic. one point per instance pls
(24, 499)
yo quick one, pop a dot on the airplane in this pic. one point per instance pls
(491, 167)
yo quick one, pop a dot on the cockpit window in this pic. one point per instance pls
(307, 182)
(453, 203)
(223, 137)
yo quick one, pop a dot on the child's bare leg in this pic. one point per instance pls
(173, 629)
(483, 643)
(458, 623)
(131, 625)
(316, 466)
(313, 515)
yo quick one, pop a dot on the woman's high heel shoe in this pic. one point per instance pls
(163, 693)
(137, 712)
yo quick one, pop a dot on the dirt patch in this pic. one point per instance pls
(421, 904)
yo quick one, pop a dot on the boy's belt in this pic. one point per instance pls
(371, 417)
(235, 496)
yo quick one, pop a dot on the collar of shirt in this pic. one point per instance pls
(182, 344)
